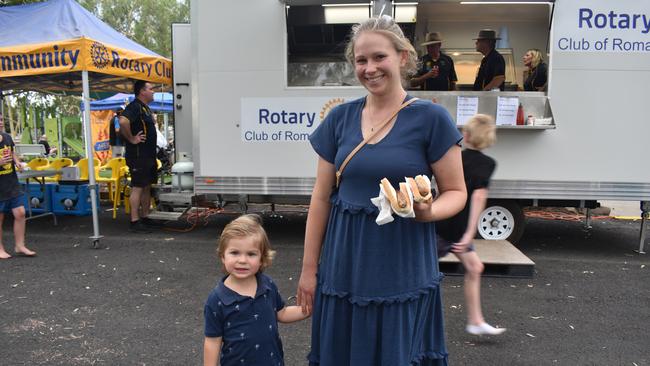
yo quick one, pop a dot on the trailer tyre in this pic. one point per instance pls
(502, 220)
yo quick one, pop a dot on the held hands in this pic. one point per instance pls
(306, 291)
(140, 137)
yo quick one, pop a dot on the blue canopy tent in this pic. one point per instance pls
(162, 102)
(57, 46)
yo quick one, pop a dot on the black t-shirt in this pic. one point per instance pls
(492, 65)
(140, 118)
(478, 169)
(446, 75)
(9, 186)
(536, 78)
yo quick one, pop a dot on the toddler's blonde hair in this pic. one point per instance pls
(246, 226)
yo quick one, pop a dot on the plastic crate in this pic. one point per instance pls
(72, 199)
(38, 197)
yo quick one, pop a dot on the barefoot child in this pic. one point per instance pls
(242, 312)
(11, 196)
(456, 234)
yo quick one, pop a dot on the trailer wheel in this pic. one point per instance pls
(502, 220)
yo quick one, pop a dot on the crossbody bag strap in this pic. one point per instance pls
(370, 137)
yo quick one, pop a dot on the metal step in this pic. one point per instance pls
(500, 258)
(176, 198)
(165, 216)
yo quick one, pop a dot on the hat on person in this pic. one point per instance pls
(431, 38)
(487, 34)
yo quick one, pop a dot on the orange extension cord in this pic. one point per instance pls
(559, 214)
(198, 217)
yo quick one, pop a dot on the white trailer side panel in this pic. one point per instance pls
(599, 102)
(241, 53)
(182, 56)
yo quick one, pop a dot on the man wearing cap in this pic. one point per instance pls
(437, 71)
(492, 72)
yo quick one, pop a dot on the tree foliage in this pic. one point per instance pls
(147, 22)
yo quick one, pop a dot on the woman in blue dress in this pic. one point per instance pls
(374, 290)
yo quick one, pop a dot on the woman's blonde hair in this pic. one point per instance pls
(537, 57)
(387, 27)
(243, 227)
(480, 131)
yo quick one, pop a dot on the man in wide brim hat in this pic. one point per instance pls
(437, 71)
(431, 38)
(492, 72)
(487, 34)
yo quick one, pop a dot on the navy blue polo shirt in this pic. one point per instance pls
(446, 72)
(248, 326)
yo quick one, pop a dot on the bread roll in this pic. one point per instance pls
(421, 188)
(400, 201)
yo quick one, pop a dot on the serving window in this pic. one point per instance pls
(316, 39)
(317, 36)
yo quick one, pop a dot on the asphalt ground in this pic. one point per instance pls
(138, 299)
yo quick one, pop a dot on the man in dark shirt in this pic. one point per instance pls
(492, 72)
(11, 195)
(139, 131)
(437, 71)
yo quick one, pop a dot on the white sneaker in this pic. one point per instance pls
(483, 329)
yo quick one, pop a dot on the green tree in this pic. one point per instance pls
(147, 22)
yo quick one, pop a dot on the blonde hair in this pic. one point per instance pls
(243, 227)
(387, 27)
(537, 57)
(480, 131)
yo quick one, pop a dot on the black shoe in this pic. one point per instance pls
(138, 227)
(149, 222)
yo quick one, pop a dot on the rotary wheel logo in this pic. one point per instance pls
(99, 55)
(329, 105)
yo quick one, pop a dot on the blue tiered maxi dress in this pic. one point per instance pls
(378, 300)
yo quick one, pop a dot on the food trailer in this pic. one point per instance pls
(262, 74)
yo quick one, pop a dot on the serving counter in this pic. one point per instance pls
(536, 107)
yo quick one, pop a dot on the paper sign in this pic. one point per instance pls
(466, 107)
(507, 110)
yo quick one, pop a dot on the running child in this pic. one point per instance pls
(242, 312)
(456, 233)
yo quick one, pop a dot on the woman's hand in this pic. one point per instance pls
(423, 211)
(306, 290)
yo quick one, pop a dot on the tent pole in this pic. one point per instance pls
(166, 124)
(34, 131)
(60, 136)
(89, 155)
